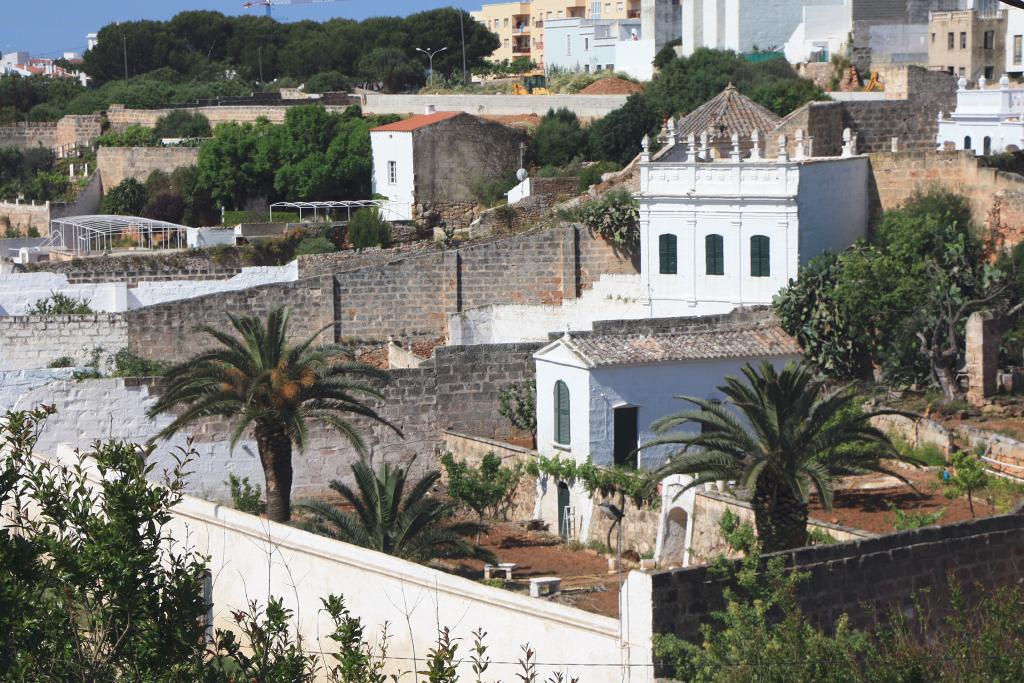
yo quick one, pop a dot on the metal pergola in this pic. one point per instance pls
(85, 234)
(385, 206)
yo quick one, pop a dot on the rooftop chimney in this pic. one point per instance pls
(429, 109)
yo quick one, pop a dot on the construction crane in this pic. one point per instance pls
(269, 5)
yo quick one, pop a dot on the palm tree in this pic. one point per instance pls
(261, 381)
(409, 524)
(788, 433)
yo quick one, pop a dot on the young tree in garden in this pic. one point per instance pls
(968, 477)
(559, 138)
(410, 524)
(259, 380)
(518, 404)
(784, 433)
(482, 489)
(127, 198)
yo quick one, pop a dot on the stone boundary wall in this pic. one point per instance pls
(708, 543)
(24, 216)
(586, 107)
(996, 198)
(121, 117)
(117, 163)
(412, 296)
(29, 342)
(135, 269)
(472, 449)
(69, 131)
(862, 578)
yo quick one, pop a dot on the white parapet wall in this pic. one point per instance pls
(20, 291)
(254, 559)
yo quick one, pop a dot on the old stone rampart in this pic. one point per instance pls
(117, 163)
(135, 269)
(996, 198)
(60, 135)
(864, 578)
(586, 107)
(121, 118)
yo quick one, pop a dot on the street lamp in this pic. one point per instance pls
(430, 56)
(613, 513)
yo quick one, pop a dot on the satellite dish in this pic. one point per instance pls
(522, 174)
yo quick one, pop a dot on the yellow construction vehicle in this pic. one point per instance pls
(533, 83)
(874, 83)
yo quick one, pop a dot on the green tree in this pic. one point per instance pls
(127, 198)
(517, 403)
(328, 81)
(410, 524)
(785, 95)
(615, 217)
(390, 69)
(482, 489)
(559, 138)
(180, 123)
(229, 166)
(968, 477)
(785, 433)
(314, 245)
(91, 586)
(261, 381)
(367, 229)
(617, 136)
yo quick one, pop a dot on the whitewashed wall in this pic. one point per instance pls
(19, 291)
(254, 559)
(394, 146)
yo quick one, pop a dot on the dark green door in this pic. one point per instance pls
(563, 503)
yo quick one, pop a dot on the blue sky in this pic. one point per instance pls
(48, 27)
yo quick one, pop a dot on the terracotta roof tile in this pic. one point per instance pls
(416, 122)
(730, 109)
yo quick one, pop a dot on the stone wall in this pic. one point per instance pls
(78, 130)
(23, 216)
(121, 117)
(586, 107)
(117, 163)
(707, 541)
(881, 573)
(28, 342)
(63, 134)
(996, 198)
(412, 295)
(168, 331)
(545, 194)
(472, 449)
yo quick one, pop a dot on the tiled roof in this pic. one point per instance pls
(754, 341)
(731, 109)
(416, 122)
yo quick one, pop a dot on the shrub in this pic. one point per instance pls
(484, 489)
(127, 198)
(133, 136)
(591, 175)
(614, 217)
(60, 304)
(124, 363)
(490, 192)
(62, 362)
(182, 124)
(968, 477)
(618, 135)
(314, 245)
(738, 535)
(368, 229)
(518, 403)
(905, 521)
(559, 138)
(245, 497)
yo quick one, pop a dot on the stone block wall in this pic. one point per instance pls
(117, 163)
(121, 117)
(28, 342)
(880, 573)
(28, 135)
(78, 130)
(135, 269)
(996, 198)
(167, 332)
(982, 356)
(25, 215)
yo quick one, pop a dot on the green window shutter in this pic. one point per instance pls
(562, 433)
(714, 254)
(667, 260)
(759, 256)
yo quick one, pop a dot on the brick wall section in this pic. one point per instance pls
(78, 130)
(996, 198)
(135, 269)
(168, 331)
(34, 341)
(879, 573)
(117, 163)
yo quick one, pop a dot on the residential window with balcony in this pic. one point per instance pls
(619, 7)
(990, 40)
(963, 40)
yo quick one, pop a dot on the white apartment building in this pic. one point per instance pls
(1015, 41)
(823, 31)
(591, 45)
(742, 25)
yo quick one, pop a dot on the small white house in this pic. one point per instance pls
(591, 45)
(986, 120)
(599, 393)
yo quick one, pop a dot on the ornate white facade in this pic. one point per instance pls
(721, 233)
(986, 120)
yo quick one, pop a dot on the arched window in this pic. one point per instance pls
(759, 256)
(562, 433)
(987, 146)
(714, 255)
(967, 143)
(667, 259)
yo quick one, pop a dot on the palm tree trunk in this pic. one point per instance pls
(276, 456)
(780, 516)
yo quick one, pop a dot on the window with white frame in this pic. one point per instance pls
(392, 172)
